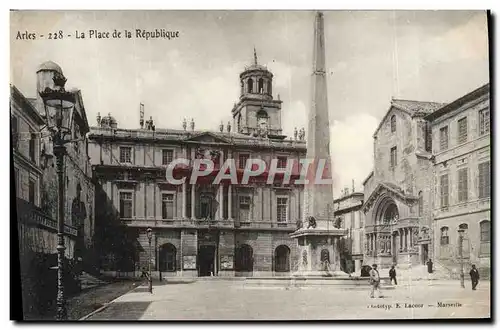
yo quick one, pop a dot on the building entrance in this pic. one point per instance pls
(425, 253)
(206, 260)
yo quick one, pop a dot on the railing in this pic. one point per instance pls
(29, 214)
(196, 223)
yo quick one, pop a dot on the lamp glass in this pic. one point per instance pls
(59, 108)
(150, 232)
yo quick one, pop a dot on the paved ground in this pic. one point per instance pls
(91, 299)
(232, 300)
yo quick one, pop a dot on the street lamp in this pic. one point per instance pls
(460, 253)
(150, 236)
(59, 106)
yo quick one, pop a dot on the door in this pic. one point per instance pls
(425, 253)
(395, 249)
(206, 259)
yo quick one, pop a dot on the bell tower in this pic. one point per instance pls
(257, 113)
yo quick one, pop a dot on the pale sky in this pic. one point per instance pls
(371, 56)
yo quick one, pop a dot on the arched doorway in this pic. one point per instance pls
(282, 259)
(244, 259)
(168, 258)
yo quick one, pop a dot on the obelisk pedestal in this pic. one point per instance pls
(318, 239)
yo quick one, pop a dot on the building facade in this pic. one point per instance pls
(420, 147)
(462, 180)
(348, 210)
(200, 228)
(36, 194)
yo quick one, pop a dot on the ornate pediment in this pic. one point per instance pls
(208, 137)
(391, 190)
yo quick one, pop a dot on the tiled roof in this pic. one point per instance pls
(414, 107)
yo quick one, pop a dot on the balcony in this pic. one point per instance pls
(208, 223)
(31, 215)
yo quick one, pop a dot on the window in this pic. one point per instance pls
(32, 192)
(269, 87)
(244, 208)
(443, 138)
(282, 162)
(445, 239)
(462, 185)
(462, 130)
(126, 204)
(32, 146)
(15, 132)
(125, 155)
(167, 156)
(444, 190)
(484, 180)
(167, 206)
(76, 135)
(420, 203)
(393, 123)
(485, 237)
(394, 157)
(484, 121)
(242, 161)
(250, 86)
(281, 209)
(261, 86)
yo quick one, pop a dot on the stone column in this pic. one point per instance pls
(193, 202)
(406, 239)
(221, 201)
(230, 201)
(410, 237)
(184, 200)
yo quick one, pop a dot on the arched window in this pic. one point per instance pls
(420, 203)
(282, 259)
(168, 258)
(464, 227)
(485, 229)
(445, 239)
(261, 86)
(269, 87)
(239, 123)
(244, 258)
(393, 123)
(250, 85)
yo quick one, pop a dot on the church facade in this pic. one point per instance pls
(200, 228)
(431, 177)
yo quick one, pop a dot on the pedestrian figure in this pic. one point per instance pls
(144, 273)
(429, 266)
(392, 275)
(374, 281)
(474, 276)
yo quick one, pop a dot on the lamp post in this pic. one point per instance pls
(150, 236)
(58, 107)
(460, 253)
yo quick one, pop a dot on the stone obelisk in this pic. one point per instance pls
(319, 236)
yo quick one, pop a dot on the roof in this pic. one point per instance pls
(416, 107)
(368, 177)
(50, 66)
(26, 105)
(475, 94)
(412, 108)
(390, 187)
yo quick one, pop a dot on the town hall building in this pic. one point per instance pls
(199, 229)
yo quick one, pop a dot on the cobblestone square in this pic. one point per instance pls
(233, 300)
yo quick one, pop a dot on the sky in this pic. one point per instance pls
(371, 57)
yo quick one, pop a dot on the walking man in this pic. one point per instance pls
(374, 281)
(392, 275)
(474, 276)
